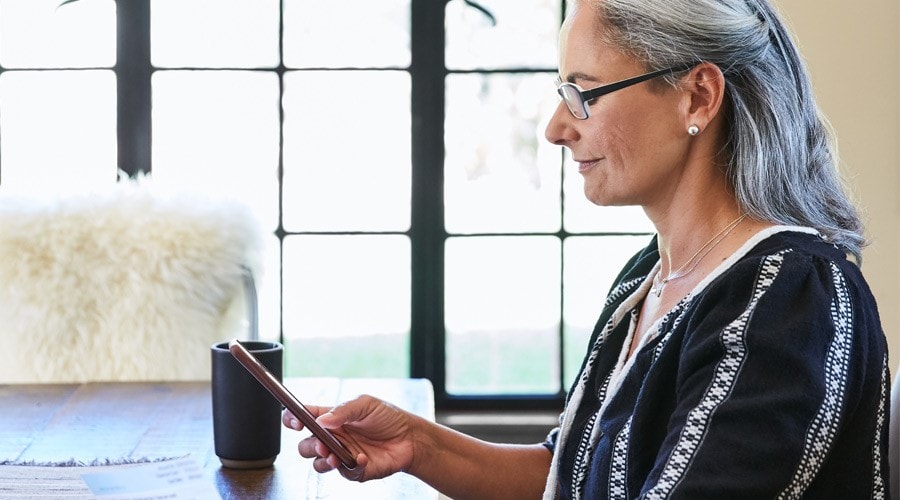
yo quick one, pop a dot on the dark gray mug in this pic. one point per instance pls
(246, 417)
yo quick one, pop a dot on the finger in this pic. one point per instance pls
(309, 448)
(321, 465)
(325, 461)
(334, 461)
(290, 421)
(328, 463)
(350, 411)
(322, 450)
(357, 473)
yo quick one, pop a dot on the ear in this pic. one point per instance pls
(704, 91)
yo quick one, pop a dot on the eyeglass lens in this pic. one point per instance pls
(572, 97)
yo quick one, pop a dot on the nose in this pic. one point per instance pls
(559, 129)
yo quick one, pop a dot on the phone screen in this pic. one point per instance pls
(282, 394)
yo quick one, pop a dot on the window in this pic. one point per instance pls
(420, 223)
(57, 87)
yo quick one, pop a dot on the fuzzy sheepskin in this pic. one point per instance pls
(128, 284)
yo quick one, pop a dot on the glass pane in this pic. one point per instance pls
(347, 305)
(502, 314)
(591, 266)
(582, 216)
(43, 34)
(214, 33)
(59, 131)
(524, 35)
(347, 156)
(350, 33)
(500, 174)
(218, 131)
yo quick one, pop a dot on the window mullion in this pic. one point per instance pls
(133, 72)
(427, 225)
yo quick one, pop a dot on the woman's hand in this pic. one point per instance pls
(379, 434)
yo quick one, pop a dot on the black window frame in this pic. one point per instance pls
(428, 74)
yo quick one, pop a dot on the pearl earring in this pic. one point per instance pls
(693, 130)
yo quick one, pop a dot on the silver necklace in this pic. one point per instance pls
(694, 261)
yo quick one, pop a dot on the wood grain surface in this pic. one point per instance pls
(68, 429)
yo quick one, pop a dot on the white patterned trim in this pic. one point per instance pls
(618, 467)
(823, 428)
(621, 290)
(878, 486)
(577, 394)
(725, 375)
(575, 397)
(583, 457)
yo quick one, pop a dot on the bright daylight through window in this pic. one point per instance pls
(420, 224)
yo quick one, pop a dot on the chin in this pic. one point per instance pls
(600, 199)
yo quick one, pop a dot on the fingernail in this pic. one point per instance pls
(295, 424)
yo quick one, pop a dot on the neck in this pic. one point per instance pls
(695, 260)
(686, 237)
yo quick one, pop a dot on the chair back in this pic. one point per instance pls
(129, 284)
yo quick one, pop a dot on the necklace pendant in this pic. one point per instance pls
(657, 289)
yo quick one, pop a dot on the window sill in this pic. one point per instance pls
(514, 427)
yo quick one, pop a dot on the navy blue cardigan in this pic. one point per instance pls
(771, 381)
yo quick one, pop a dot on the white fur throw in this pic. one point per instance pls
(128, 284)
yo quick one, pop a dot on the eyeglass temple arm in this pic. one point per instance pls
(587, 95)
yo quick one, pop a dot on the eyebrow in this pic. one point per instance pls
(573, 77)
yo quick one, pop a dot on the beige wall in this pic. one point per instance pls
(853, 53)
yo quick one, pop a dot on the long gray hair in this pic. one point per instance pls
(782, 163)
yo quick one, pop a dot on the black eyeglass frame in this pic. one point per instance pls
(589, 95)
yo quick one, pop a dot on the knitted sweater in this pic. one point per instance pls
(769, 380)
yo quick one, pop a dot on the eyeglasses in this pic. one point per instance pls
(577, 100)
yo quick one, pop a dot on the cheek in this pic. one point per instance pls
(620, 128)
(614, 139)
(638, 137)
(634, 129)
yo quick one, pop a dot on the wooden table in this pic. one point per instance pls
(98, 423)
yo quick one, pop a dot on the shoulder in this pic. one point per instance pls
(788, 281)
(795, 259)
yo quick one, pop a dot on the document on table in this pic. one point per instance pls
(181, 479)
(173, 479)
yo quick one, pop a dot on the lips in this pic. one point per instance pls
(585, 165)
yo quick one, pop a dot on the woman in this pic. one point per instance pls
(740, 354)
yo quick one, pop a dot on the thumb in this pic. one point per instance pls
(345, 413)
(330, 420)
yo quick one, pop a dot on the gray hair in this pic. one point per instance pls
(782, 163)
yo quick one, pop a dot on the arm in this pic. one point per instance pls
(490, 470)
(388, 440)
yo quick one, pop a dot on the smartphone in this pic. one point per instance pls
(282, 394)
